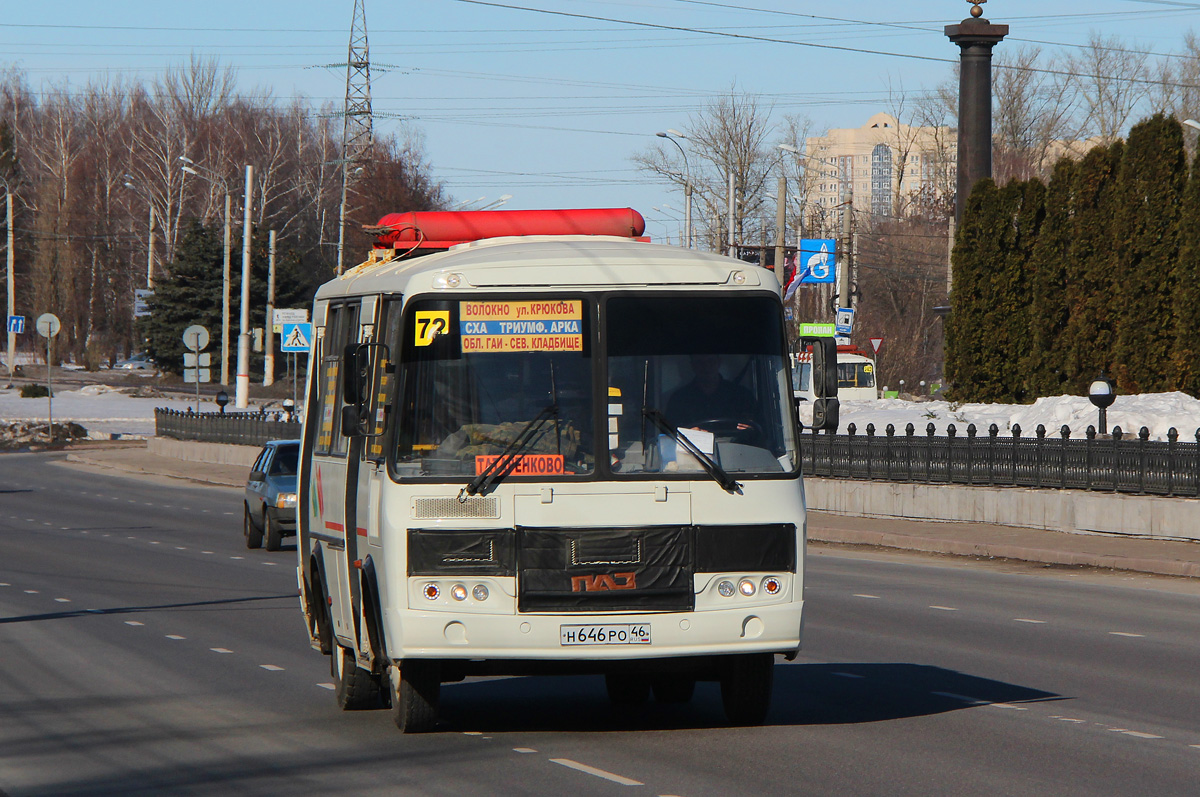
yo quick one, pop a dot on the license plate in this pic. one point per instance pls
(624, 634)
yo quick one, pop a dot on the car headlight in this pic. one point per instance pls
(285, 501)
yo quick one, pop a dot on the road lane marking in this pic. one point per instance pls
(5, 584)
(524, 750)
(271, 667)
(1008, 705)
(221, 650)
(599, 773)
(1027, 620)
(472, 733)
(963, 698)
(872, 597)
(1197, 746)
(1068, 719)
(180, 548)
(133, 622)
(175, 636)
(1125, 633)
(270, 564)
(944, 608)
(330, 687)
(848, 675)
(155, 542)
(31, 592)
(1141, 735)
(62, 600)
(207, 552)
(237, 557)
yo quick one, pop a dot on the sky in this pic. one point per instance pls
(548, 100)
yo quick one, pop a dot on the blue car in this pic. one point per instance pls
(270, 505)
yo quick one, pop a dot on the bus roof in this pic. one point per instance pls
(521, 262)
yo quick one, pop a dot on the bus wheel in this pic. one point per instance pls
(673, 688)
(627, 689)
(356, 688)
(746, 687)
(415, 685)
(253, 534)
(274, 535)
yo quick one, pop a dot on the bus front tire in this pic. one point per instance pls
(746, 688)
(415, 687)
(253, 534)
(356, 688)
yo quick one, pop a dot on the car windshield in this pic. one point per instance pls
(714, 367)
(475, 375)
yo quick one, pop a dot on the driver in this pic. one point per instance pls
(710, 397)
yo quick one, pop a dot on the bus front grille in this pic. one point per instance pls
(476, 506)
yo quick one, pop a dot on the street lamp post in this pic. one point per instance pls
(215, 178)
(1102, 393)
(12, 305)
(670, 135)
(150, 231)
(242, 387)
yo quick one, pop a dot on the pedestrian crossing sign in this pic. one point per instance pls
(296, 338)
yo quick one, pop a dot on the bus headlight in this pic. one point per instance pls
(725, 589)
(746, 587)
(458, 592)
(480, 592)
(431, 591)
(771, 585)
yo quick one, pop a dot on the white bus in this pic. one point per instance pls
(855, 375)
(549, 453)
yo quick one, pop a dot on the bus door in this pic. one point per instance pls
(328, 473)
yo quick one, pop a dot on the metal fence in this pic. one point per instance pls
(239, 428)
(1119, 463)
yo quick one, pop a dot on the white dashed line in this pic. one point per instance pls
(133, 622)
(270, 564)
(237, 557)
(221, 650)
(872, 597)
(271, 667)
(180, 548)
(155, 542)
(524, 750)
(1008, 705)
(62, 600)
(472, 733)
(1197, 746)
(600, 773)
(228, 513)
(944, 608)
(963, 698)
(330, 687)
(1141, 735)
(207, 552)
(848, 675)
(5, 584)
(175, 636)
(1068, 719)
(1027, 620)
(31, 592)
(1125, 633)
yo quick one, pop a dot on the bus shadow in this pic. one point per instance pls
(805, 694)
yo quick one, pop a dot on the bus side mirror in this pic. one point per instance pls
(824, 382)
(358, 366)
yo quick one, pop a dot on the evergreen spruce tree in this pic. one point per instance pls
(1146, 228)
(1088, 342)
(1049, 275)
(1187, 289)
(190, 294)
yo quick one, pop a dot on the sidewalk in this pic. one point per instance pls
(962, 539)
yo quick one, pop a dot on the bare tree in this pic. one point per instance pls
(730, 135)
(1034, 114)
(1110, 81)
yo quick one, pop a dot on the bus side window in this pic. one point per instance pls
(341, 325)
(385, 373)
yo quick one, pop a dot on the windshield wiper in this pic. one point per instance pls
(714, 470)
(508, 459)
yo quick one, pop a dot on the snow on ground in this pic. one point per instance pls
(104, 411)
(1156, 411)
(100, 409)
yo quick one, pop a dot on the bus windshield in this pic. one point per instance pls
(476, 374)
(712, 366)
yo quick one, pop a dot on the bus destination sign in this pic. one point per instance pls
(495, 327)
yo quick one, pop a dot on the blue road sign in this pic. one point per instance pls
(16, 323)
(817, 260)
(296, 338)
(845, 321)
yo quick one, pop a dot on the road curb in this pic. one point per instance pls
(1165, 567)
(124, 467)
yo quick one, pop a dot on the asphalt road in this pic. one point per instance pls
(143, 650)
